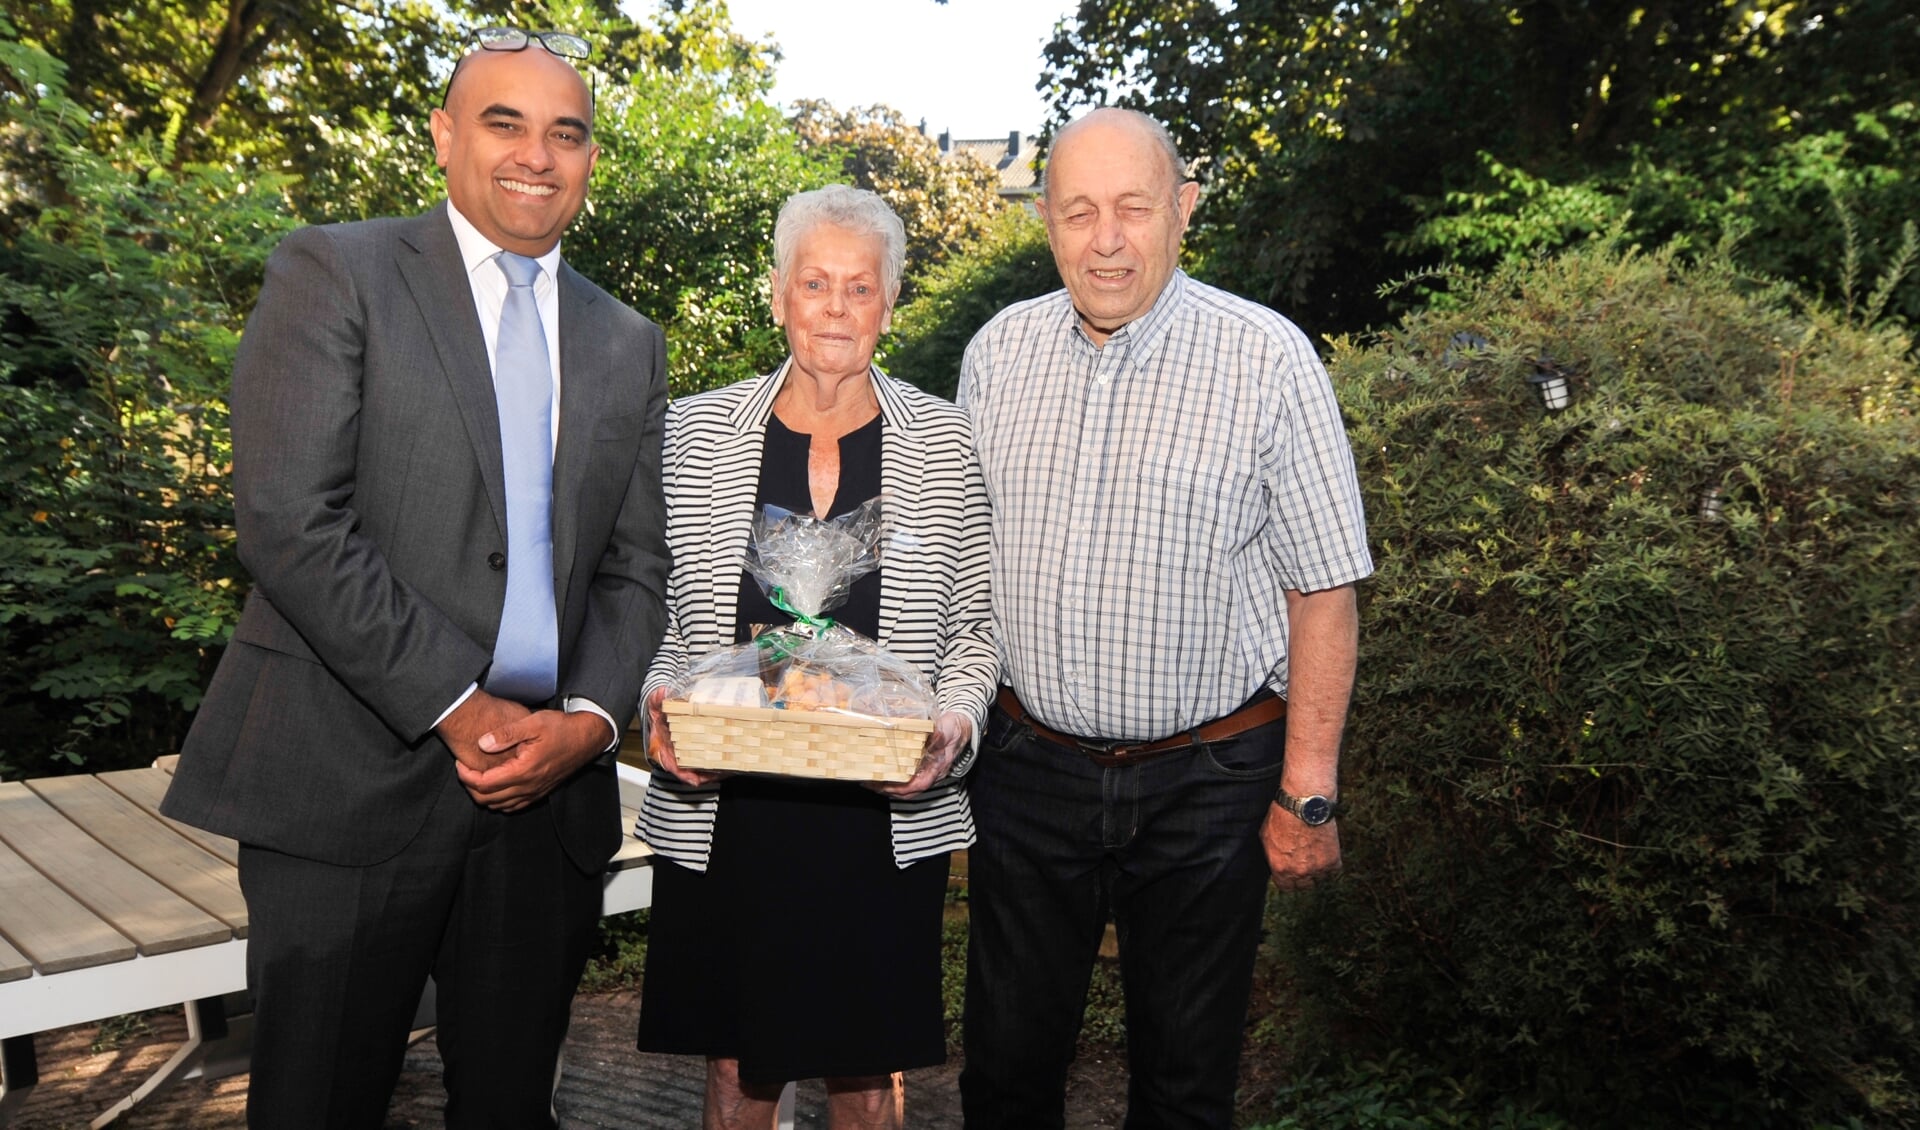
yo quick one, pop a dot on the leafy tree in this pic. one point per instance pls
(241, 79)
(1317, 121)
(1008, 263)
(695, 165)
(120, 305)
(1803, 210)
(333, 92)
(694, 37)
(945, 203)
(682, 226)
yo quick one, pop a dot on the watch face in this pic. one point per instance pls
(1316, 810)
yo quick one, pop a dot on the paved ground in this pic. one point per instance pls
(606, 1083)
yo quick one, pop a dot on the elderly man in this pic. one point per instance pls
(447, 489)
(1176, 535)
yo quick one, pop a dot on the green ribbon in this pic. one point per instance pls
(776, 639)
(779, 598)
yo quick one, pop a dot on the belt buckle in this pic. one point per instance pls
(1115, 750)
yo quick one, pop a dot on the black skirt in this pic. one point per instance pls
(802, 951)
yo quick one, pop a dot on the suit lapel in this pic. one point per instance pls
(429, 262)
(736, 484)
(902, 464)
(586, 370)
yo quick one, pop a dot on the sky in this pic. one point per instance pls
(966, 66)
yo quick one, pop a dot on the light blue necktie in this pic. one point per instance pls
(526, 656)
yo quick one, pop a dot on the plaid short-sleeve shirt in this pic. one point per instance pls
(1153, 502)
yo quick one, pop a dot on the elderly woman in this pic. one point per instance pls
(796, 924)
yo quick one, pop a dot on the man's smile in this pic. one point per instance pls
(523, 186)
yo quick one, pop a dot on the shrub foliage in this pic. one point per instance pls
(1632, 768)
(930, 332)
(123, 284)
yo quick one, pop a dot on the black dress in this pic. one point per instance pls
(802, 951)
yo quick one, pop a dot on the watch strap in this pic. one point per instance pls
(1298, 805)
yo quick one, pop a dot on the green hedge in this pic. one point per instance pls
(123, 286)
(1633, 764)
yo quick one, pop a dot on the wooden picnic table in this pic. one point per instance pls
(108, 907)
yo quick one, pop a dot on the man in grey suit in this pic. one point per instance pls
(447, 490)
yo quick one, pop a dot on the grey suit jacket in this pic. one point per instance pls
(371, 514)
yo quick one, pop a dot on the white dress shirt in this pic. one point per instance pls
(489, 285)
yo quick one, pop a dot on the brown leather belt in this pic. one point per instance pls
(1264, 709)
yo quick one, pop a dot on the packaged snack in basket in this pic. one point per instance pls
(814, 670)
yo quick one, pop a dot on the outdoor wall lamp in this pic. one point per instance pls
(1551, 384)
(1711, 503)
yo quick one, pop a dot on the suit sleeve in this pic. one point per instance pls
(626, 606)
(298, 383)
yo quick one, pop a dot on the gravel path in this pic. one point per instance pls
(605, 1083)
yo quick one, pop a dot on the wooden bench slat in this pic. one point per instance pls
(631, 847)
(132, 833)
(145, 787)
(153, 917)
(629, 820)
(631, 852)
(631, 792)
(14, 965)
(50, 928)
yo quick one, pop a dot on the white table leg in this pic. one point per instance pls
(206, 1024)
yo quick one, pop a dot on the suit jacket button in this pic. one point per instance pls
(496, 561)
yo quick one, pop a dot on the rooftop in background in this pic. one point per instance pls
(1011, 156)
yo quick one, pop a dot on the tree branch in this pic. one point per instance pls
(249, 29)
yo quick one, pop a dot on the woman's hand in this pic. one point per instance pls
(951, 732)
(660, 744)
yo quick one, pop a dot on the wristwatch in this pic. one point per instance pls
(1313, 811)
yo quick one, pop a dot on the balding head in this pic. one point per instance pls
(1113, 117)
(482, 58)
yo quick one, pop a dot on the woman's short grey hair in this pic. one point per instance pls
(854, 209)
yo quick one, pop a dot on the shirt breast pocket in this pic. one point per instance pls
(1205, 507)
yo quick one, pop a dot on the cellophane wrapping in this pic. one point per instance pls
(807, 566)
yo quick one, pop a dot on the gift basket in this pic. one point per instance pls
(812, 698)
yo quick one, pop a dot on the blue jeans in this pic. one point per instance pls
(1170, 849)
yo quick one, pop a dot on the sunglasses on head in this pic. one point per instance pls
(562, 43)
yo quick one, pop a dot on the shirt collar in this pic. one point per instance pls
(1144, 334)
(477, 249)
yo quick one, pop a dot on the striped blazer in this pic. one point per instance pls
(934, 604)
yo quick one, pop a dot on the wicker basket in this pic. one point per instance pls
(796, 743)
